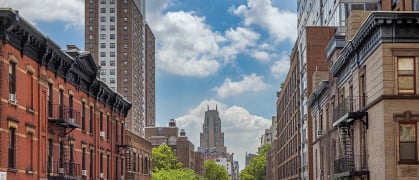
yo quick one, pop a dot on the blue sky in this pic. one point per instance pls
(230, 53)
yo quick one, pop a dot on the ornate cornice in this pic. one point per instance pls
(77, 68)
(380, 27)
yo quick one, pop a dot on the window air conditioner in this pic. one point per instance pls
(84, 173)
(102, 134)
(101, 175)
(60, 170)
(319, 133)
(72, 121)
(12, 98)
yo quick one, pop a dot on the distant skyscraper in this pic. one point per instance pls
(122, 44)
(212, 138)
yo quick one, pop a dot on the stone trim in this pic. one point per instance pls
(406, 117)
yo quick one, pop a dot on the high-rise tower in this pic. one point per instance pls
(122, 44)
(212, 138)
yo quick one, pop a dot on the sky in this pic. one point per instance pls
(232, 54)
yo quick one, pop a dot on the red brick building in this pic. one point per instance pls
(57, 120)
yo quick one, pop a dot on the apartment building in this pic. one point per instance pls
(367, 108)
(121, 42)
(58, 121)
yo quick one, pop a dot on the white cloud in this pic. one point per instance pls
(281, 67)
(261, 56)
(250, 83)
(242, 129)
(281, 24)
(70, 11)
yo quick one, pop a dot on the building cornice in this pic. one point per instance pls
(77, 68)
(380, 27)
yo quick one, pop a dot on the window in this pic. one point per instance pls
(108, 124)
(125, 80)
(112, 45)
(406, 75)
(12, 148)
(102, 27)
(90, 28)
(103, 63)
(125, 36)
(102, 1)
(125, 19)
(125, 10)
(70, 104)
(112, 54)
(112, 1)
(112, 27)
(90, 37)
(102, 45)
(125, 28)
(90, 19)
(91, 164)
(30, 92)
(101, 121)
(112, 81)
(102, 36)
(90, 10)
(125, 89)
(12, 78)
(112, 63)
(91, 46)
(108, 164)
(125, 46)
(102, 10)
(50, 148)
(112, 10)
(125, 72)
(102, 54)
(83, 116)
(91, 119)
(50, 95)
(103, 79)
(103, 72)
(125, 1)
(415, 5)
(102, 19)
(407, 135)
(112, 71)
(112, 36)
(112, 19)
(83, 158)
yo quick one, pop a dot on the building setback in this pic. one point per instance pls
(368, 107)
(57, 120)
(123, 45)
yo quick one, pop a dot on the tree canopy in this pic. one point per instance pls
(256, 170)
(176, 174)
(163, 158)
(213, 171)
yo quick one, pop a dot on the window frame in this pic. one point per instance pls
(401, 161)
(404, 75)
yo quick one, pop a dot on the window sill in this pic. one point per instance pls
(409, 162)
(29, 172)
(13, 170)
(13, 103)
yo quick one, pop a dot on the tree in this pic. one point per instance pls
(163, 158)
(176, 174)
(257, 167)
(213, 171)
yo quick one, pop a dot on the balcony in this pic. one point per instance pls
(347, 167)
(64, 170)
(348, 110)
(63, 116)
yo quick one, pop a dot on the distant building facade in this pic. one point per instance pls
(212, 138)
(249, 158)
(179, 143)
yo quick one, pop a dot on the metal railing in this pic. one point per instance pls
(59, 168)
(349, 104)
(63, 114)
(359, 163)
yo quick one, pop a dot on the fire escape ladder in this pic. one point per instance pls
(346, 146)
(129, 160)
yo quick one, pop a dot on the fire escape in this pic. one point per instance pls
(349, 165)
(64, 119)
(129, 158)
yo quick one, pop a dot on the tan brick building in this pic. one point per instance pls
(368, 108)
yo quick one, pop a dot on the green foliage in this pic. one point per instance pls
(256, 170)
(176, 174)
(163, 158)
(213, 171)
